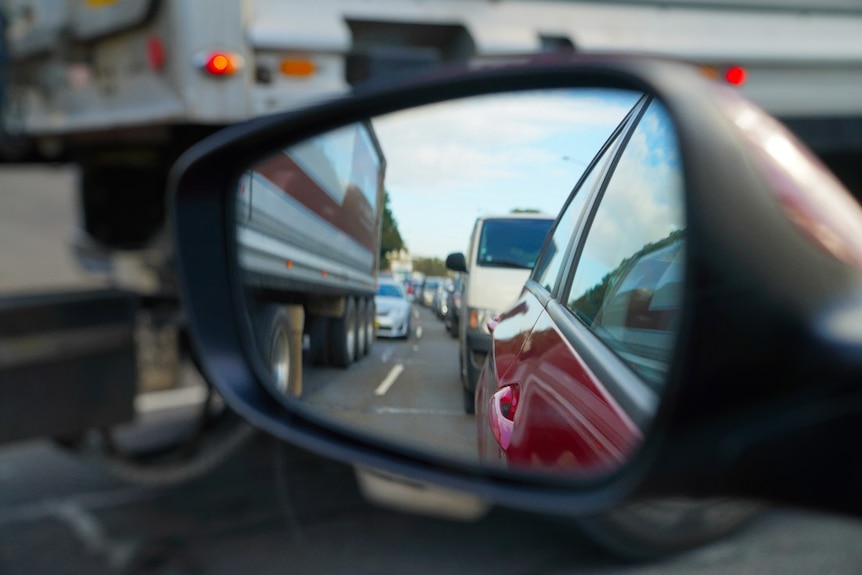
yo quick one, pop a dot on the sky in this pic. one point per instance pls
(644, 202)
(451, 162)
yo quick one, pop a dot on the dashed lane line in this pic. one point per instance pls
(389, 379)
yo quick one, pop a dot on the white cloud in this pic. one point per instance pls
(643, 203)
(449, 162)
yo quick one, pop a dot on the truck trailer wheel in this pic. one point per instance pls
(342, 336)
(361, 328)
(370, 315)
(277, 345)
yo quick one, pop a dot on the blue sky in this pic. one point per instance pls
(450, 162)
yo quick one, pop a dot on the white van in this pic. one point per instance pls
(502, 252)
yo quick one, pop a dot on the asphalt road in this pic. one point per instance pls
(275, 509)
(408, 391)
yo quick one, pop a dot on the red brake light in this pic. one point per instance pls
(156, 53)
(509, 403)
(735, 75)
(221, 63)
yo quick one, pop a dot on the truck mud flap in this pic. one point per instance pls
(67, 363)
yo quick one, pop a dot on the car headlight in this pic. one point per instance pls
(479, 318)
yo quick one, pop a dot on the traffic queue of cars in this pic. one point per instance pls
(394, 297)
(440, 294)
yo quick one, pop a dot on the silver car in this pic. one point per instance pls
(393, 310)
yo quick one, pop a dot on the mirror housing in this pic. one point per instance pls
(456, 262)
(764, 397)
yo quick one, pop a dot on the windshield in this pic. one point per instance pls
(512, 243)
(389, 290)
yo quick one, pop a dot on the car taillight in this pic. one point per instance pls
(509, 402)
(501, 415)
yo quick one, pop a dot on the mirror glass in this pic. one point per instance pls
(385, 262)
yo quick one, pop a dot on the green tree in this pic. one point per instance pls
(430, 266)
(390, 237)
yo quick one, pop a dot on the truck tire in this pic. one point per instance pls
(318, 339)
(652, 529)
(370, 316)
(361, 328)
(342, 336)
(277, 345)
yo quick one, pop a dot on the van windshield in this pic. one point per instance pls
(512, 243)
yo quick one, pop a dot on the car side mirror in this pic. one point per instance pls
(456, 262)
(721, 355)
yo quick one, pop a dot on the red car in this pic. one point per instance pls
(577, 365)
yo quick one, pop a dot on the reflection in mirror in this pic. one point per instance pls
(344, 242)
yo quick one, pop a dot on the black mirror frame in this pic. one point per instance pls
(705, 440)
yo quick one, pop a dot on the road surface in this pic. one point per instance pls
(404, 390)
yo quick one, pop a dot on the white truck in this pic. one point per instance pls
(123, 87)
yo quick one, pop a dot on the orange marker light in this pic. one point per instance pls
(710, 72)
(295, 67)
(735, 75)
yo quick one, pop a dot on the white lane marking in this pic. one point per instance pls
(171, 398)
(86, 527)
(47, 508)
(415, 314)
(415, 348)
(91, 533)
(419, 332)
(387, 354)
(390, 379)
